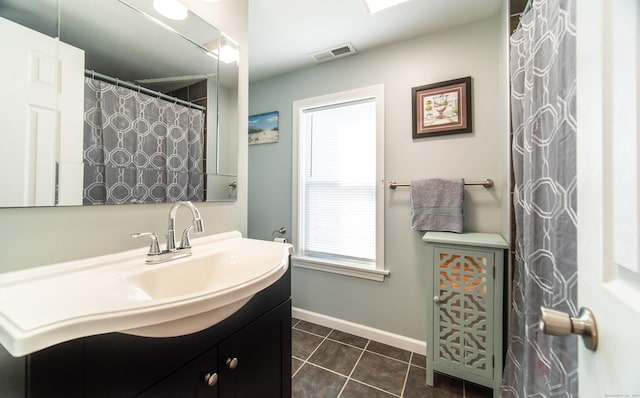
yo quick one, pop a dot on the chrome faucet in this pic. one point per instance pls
(172, 252)
(198, 225)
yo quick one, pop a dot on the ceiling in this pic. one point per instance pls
(126, 44)
(282, 33)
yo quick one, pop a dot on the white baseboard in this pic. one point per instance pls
(392, 339)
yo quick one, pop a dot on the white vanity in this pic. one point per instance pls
(216, 321)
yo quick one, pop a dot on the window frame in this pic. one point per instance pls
(338, 266)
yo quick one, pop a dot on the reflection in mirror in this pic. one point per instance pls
(221, 183)
(112, 104)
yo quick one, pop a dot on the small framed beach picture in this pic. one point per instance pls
(263, 128)
(442, 108)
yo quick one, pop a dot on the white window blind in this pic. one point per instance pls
(339, 181)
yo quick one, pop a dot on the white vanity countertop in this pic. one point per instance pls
(43, 306)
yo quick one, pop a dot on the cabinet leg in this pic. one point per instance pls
(429, 375)
(496, 390)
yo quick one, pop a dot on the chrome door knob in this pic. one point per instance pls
(560, 323)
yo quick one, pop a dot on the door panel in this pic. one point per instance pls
(609, 281)
(262, 358)
(463, 326)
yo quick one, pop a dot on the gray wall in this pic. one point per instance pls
(38, 236)
(397, 305)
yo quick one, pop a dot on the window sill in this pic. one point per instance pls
(337, 267)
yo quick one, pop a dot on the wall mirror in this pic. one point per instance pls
(108, 102)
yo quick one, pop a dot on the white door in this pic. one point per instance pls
(41, 110)
(28, 110)
(608, 184)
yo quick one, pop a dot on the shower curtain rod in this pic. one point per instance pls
(136, 87)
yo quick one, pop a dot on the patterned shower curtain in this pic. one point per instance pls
(140, 149)
(543, 103)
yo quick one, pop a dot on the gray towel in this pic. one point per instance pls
(436, 205)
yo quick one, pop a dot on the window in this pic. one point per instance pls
(338, 195)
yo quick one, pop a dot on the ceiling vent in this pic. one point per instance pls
(332, 53)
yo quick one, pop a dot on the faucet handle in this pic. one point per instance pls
(186, 240)
(155, 246)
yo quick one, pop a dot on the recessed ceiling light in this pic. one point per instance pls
(170, 9)
(374, 6)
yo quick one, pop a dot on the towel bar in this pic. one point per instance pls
(487, 183)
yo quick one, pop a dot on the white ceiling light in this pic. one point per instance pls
(228, 54)
(374, 6)
(170, 9)
(226, 49)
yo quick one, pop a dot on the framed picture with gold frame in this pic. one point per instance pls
(442, 108)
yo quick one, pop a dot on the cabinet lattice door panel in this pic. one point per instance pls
(463, 321)
(465, 306)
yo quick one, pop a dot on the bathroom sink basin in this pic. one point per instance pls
(47, 305)
(201, 274)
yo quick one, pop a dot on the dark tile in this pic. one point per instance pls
(313, 382)
(198, 90)
(303, 344)
(516, 6)
(182, 93)
(294, 322)
(313, 328)
(389, 351)
(347, 338)
(472, 390)
(514, 20)
(444, 387)
(359, 390)
(295, 365)
(338, 357)
(419, 360)
(381, 372)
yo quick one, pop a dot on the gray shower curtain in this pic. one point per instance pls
(543, 111)
(140, 149)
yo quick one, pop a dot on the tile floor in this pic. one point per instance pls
(328, 363)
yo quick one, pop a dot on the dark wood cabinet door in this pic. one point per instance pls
(256, 361)
(198, 379)
(57, 371)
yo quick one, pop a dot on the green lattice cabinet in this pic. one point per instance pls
(465, 306)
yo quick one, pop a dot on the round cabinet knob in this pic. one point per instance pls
(232, 363)
(211, 379)
(436, 299)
